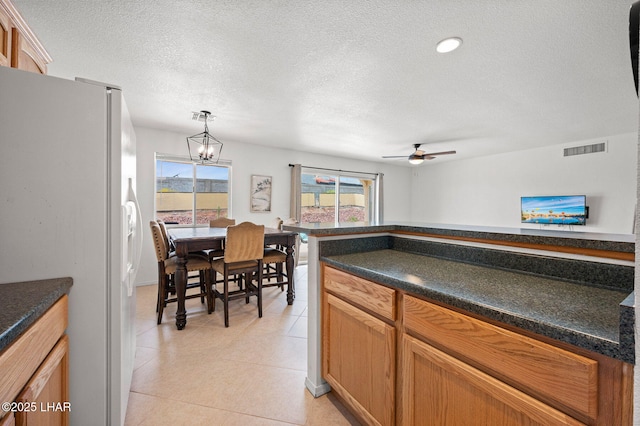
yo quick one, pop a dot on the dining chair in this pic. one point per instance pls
(276, 223)
(165, 236)
(167, 266)
(221, 222)
(244, 248)
(171, 249)
(270, 268)
(275, 259)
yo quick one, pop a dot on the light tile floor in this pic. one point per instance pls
(251, 373)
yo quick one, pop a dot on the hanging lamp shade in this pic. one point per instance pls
(204, 146)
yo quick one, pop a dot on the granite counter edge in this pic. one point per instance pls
(52, 290)
(582, 240)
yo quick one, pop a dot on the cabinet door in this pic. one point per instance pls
(48, 390)
(359, 360)
(5, 38)
(8, 420)
(439, 389)
(24, 56)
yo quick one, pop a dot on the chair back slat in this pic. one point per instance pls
(244, 242)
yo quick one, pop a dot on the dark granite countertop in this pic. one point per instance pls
(582, 315)
(590, 240)
(22, 303)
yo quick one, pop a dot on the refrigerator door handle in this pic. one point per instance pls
(133, 238)
(138, 231)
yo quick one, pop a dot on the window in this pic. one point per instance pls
(191, 193)
(336, 196)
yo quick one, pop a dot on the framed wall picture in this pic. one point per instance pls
(260, 193)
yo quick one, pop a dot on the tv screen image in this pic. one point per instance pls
(559, 210)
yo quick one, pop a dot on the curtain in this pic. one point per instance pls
(296, 191)
(380, 188)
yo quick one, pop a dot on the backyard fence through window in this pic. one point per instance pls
(189, 193)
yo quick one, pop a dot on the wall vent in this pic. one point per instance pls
(585, 149)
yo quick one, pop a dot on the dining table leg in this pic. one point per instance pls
(181, 288)
(290, 264)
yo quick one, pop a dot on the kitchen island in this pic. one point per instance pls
(572, 290)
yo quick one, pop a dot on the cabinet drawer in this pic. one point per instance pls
(540, 369)
(367, 294)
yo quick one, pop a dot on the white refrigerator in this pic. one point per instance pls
(68, 208)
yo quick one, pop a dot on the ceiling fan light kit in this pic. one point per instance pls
(415, 159)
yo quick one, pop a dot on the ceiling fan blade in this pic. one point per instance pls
(431, 154)
(420, 154)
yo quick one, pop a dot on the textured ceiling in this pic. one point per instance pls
(356, 78)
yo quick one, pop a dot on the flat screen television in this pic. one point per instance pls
(558, 209)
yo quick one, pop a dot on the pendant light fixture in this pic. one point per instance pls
(204, 146)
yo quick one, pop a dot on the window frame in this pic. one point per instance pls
(194, 164)
(375, 178)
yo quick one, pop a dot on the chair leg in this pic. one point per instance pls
(247, 287)
(211, 294)
(260, 293)
(203, 287)
(226, 300)
(280, 278)
(158, 296)
(162, 295)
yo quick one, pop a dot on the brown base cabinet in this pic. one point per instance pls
(394, 358)
(442, 390)
(360, 361)
(35, 376)
(359, 346)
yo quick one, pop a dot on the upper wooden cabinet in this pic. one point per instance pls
(19, 47)
(5, 38)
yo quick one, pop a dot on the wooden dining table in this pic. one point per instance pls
(193, 239)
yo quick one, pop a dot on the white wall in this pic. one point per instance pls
(248, 159)
(486, 191)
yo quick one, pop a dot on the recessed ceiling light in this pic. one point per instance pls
(448, 44)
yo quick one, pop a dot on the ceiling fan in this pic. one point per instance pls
(419, 155)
